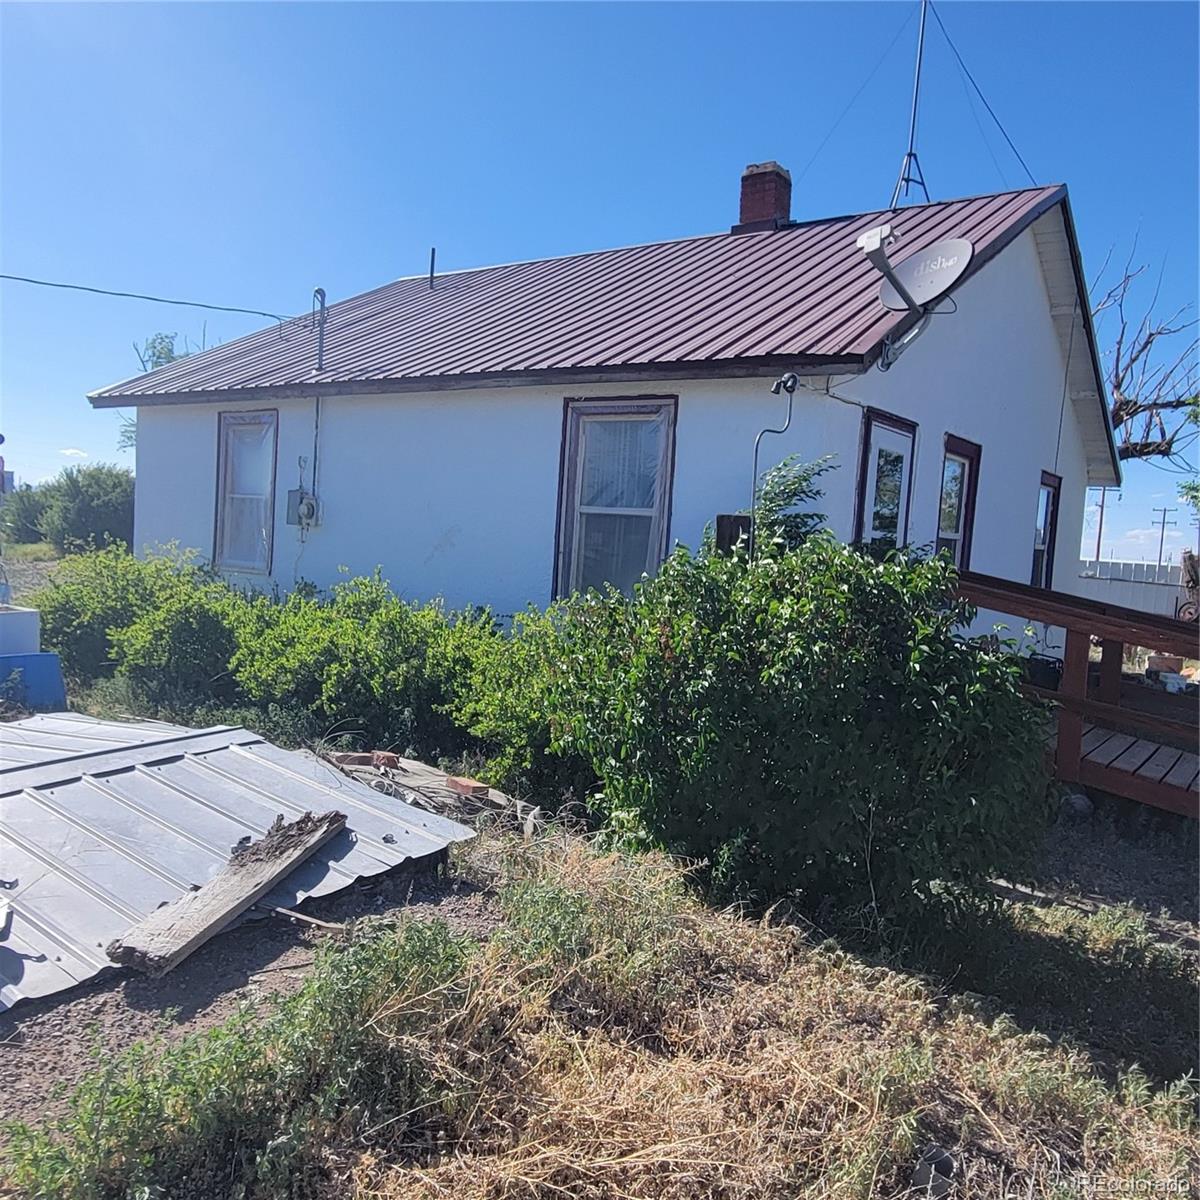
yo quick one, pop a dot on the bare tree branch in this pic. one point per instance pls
(1154, 390)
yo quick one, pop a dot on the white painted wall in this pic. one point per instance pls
(455, 493)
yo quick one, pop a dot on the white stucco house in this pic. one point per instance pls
(502, 435)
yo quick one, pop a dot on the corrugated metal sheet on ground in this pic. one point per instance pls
(101, 822)
(802, 291)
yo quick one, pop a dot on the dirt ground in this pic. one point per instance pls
(47, 1046)
(1127, 854)
(26, 577)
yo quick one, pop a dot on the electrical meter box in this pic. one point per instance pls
(301, 507)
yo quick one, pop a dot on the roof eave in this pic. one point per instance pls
(738, 368)
(1089, 328)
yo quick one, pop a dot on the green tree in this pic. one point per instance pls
(156, 351)
(90, 505)
(21, 514)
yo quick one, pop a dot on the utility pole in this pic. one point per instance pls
(1162, 528)
(1100, 526)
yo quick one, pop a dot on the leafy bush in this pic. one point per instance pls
(93, 594)
(504, 696)
(782, 507)
(88, 506)
(811, 721)
(357, 661)
(22, 512)
(182, 647)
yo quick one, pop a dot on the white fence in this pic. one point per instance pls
(1144, 586)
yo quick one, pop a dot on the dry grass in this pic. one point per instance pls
(623, 1042)
(615, 1040)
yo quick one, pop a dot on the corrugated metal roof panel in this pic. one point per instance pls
(801, 292)
(101, 822)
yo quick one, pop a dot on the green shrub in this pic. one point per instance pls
(88, 506)
(21, 514)
(105, 590)
(357, 661)
(782, 507)
(182, 646)
(812, 722)
(504, 697)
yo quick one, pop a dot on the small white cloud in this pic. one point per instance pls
(72, 452)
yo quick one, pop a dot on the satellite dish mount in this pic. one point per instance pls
(915, 284)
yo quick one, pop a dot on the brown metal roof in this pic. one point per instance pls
(721, 304)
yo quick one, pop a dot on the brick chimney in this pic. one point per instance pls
(766, 198)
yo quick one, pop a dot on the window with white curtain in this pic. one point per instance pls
(616, 482)
(246, 491)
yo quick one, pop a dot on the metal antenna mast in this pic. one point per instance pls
(911, 174)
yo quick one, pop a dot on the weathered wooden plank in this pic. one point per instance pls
(1112, 748)
(1144, 791)
(1094, 738)
(169, 934)
(1134, 756)
(1069, 752)
(1159, 763)
(1153, 723)
(1184, 771)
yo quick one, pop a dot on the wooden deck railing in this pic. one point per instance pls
(1159, 770)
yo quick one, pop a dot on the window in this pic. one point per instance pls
(615, 492)
(246, 491)
(1045, 531)
(956, 507)
(885, 481)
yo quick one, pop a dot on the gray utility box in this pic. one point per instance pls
(301, 507)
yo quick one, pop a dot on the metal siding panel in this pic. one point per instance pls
(142, 812)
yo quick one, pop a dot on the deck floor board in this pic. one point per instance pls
(1112, 747)
(1135, 756)
(1159, 763)
(1183, 773)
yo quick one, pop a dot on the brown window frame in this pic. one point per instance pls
(242, 417)
(1052, 483)
(575, 408)
(971, 453)
(871, 418)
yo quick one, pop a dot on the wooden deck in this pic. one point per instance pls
(1140, 769)
(1141, 765)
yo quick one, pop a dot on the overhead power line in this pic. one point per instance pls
(79, 287)
(979, 92)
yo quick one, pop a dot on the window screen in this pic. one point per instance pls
(245, 499)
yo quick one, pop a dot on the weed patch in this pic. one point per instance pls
(616, 1039)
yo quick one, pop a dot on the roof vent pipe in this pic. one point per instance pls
(318, 318)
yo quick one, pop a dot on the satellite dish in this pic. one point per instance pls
(928, 274)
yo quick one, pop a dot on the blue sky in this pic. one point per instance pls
(242, 153)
